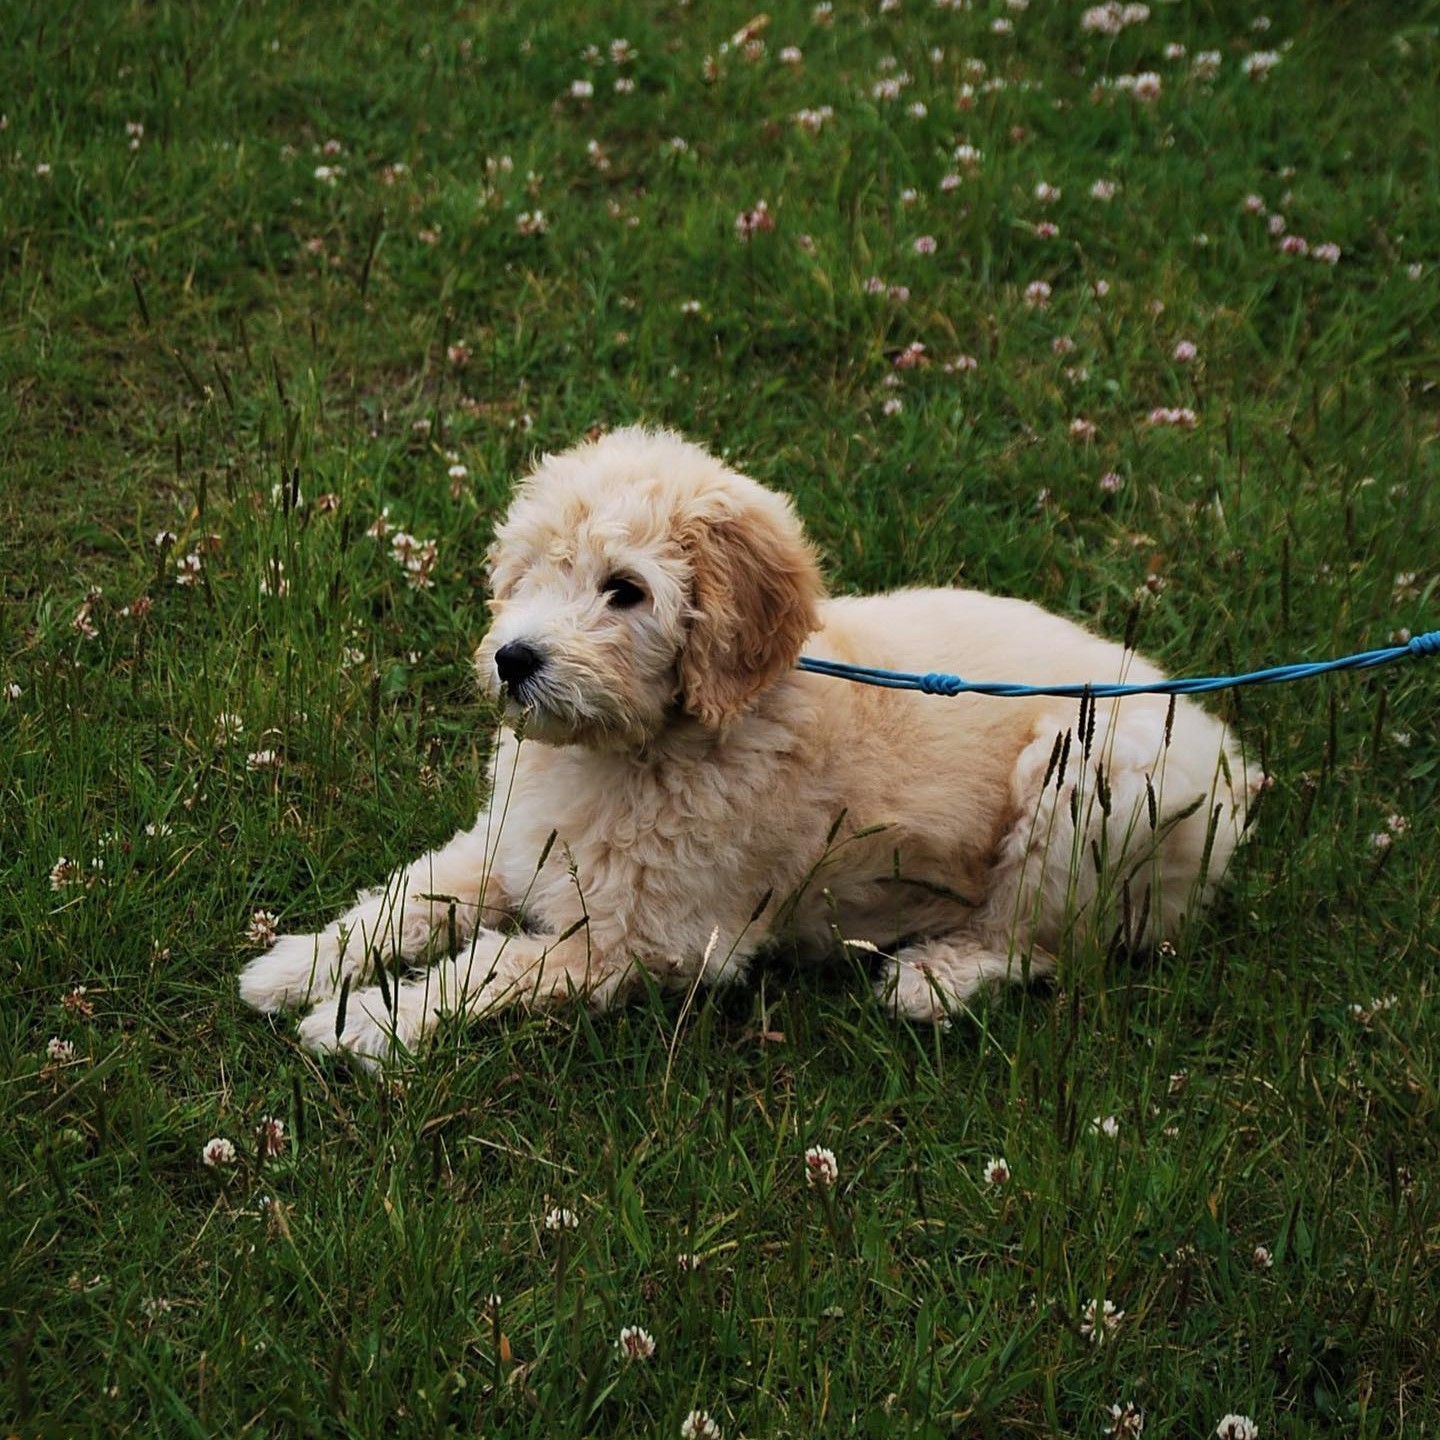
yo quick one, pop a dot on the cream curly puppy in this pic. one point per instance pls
(672, 794)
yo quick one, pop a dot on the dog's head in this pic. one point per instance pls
(636, 580)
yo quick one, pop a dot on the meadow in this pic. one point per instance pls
(1128, 310)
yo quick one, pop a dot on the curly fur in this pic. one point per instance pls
(672, 794)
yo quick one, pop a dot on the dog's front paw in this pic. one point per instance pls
(296, 969)
(368, 1032)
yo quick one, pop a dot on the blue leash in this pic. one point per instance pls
(935, 683)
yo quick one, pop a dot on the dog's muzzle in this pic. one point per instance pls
(515, 663)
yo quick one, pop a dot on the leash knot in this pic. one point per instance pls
(1425, 645)
(937, 683)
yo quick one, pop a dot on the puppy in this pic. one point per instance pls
(671, 794)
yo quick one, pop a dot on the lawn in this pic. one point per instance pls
(1130, 311)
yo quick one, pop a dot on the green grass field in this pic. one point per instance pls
(270, 269)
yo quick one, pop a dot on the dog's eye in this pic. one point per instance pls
(623, 594)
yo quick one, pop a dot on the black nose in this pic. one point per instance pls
(517, 662)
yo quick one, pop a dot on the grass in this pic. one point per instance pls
(202, 337)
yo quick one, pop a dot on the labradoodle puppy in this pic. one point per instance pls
(671, 794)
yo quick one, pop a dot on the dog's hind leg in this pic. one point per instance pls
(929, 980)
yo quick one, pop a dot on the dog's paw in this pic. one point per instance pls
(910, 992)
(368, 1034)
(296, 969)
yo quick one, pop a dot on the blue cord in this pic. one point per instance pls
(1422, 646)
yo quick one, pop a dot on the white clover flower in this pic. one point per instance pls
(273, 581)
(1108, 1126)
(560, 1218)
(59, 1051)
(416, 557)
(635, 1343)
(1237, 1427)
(261, 929)
(821, 1169)
(1104, 190)
(1037, 294)
(997, 1172)
(1262, 1258)
(890, 87)
(1098, 1321)
(76, 1002)
(65, 873)
(1259, 65)
(1112, 17)
(1378, 1004)
(270, 1134)
(1182, 417)
(218, 1153)
(698, 1425)
(749, 223)
(1126, 1420)
(1184, 352)
(813, 120)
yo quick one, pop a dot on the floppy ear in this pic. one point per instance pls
(755, 588)
(502, 570)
